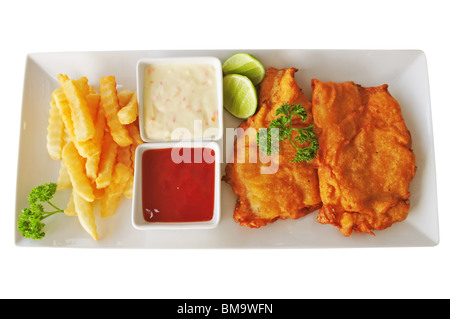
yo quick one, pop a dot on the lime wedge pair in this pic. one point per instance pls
(244, 64)
(242, 73)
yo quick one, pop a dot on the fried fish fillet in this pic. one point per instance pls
(365, 158)
(293, 190)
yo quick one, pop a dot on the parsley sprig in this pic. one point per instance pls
(281, 129)
(30, 219)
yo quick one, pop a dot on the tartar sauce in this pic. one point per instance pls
(180, 101)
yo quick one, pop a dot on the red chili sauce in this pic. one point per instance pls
(178, 188)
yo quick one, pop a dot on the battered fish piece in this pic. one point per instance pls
(293, 190)
(365, 158)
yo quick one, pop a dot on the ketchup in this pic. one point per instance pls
(174, 191)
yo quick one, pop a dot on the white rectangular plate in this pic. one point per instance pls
(404, 71)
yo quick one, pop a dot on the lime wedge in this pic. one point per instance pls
(244, 64)
(239, 96)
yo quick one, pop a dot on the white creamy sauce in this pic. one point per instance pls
(180, 101)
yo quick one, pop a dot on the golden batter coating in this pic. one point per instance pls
(366, 163)
(293, 190)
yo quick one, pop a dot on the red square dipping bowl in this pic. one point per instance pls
(177, 185)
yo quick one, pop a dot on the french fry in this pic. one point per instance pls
(55, 132)
(110, 102)
(93, 160)
(135, 135)
(129, 113)
(133, 130)
(129, 187)
(81, 117)
(124, 97)
(107, 159)
(61, 102)
(128, 191)
(75, 166)
(92, 90)
(66, 136)
(84, 148)
(98, 192)
(92, 166)
(93, 102)
(85, 213)
(63, 177)
(95, 135)
(82, 85)
(70, 209)
(115, 189)
(124, 156)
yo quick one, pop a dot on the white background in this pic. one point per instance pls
(46, 26)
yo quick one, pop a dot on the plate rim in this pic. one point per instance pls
(30, 57)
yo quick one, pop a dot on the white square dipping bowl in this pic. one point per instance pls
(137, 218)
(141, 66)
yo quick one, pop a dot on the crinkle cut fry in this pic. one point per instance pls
(110, 103)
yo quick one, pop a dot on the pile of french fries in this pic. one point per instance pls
(94, 135)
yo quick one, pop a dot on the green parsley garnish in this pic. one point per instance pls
(281, 129)
(30, 219)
